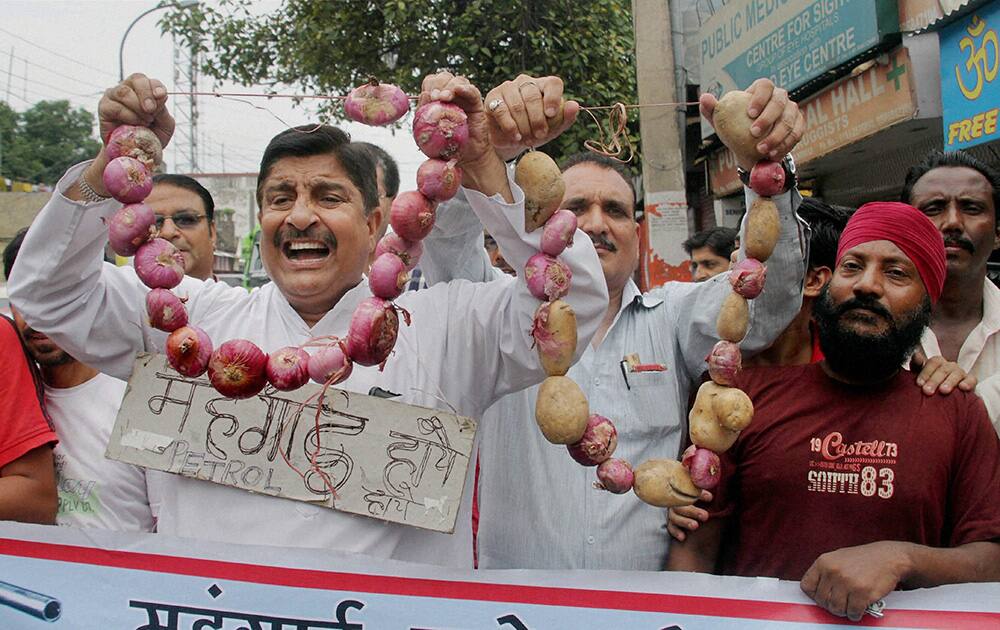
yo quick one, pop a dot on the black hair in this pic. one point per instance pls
(587, 157)
(10, 252)
(390, 171)
(310, 140)
(721, 240)
(191, 184)
(826, 222)
(953, 159)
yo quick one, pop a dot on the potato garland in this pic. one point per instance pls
(238, 368)
(721, 411)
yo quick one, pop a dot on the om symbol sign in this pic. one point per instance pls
(979, 61)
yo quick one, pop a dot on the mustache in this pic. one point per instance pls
(316, 234)
(869, 304)
(957, 240)
(603, 241)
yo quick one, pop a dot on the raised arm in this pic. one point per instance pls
(516, 120)
(781, 125)
(94, 311)
(490, 324)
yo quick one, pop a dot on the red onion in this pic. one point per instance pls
(287, 368)
(439, 180)
(372, 333)
(127, 179)
(558, 232)
(135, 142)
(238, 369)
(767, 178)
(440, 129)
(724, 363)
(388, 276)
(747, 277)
(615, 476)
(330, 365)
(159, 265)
(376, 103)
(166, 310)
(130, 227)
(408, 251)
(704, 466)
(411, 215)
(597, 444)
(189, 349)
(548, 278)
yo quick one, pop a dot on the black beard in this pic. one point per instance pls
(867, 358)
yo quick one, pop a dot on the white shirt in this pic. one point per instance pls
(94, 491)
(537, 507)
(980, 353)
(469, 344)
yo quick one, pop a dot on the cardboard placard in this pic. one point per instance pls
(387, 460)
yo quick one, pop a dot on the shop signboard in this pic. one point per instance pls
(970, 78)
(792, 42)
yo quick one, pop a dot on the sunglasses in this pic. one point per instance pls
(183, 220)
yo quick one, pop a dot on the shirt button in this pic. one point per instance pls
(590, 540)
(597, 381)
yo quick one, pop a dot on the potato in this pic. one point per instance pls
(539, 177)
(732, 124)
(561, 410)
(554, 331)
(734, 318)
(762, 230)
(732, 407)
(703, 421)
(664, 483)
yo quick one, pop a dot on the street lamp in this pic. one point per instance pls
(162, 4)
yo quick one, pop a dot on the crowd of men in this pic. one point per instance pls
(868, 466)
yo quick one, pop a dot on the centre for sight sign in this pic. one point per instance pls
(790, 42)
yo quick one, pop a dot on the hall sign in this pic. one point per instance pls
(791, 42)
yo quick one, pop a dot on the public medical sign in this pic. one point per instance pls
(790, 42)
(53, 577)
(970, 78)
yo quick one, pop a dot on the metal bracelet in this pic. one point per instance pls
(89, 194)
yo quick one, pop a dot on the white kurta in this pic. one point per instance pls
(469, 344)
(980, 353)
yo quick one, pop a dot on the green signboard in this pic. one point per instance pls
(791, 42)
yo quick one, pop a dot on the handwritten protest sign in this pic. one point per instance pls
(383, 459)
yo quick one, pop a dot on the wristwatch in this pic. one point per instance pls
(89, 194)
(787, 164)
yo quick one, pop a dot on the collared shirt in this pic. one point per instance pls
(980, 353)
(469, 344)
(538, 507)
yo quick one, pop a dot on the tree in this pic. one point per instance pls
(329, 47)
(40, 143)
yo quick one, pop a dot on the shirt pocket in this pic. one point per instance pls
(653, 400)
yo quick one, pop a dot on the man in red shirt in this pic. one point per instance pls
(850, 479)
(27, 471)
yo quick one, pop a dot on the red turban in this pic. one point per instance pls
(908, 229)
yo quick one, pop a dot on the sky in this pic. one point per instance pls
(61, 49)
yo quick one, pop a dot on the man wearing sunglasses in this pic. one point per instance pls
(185, 214)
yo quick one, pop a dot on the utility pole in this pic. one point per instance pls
(10, 72)
(660, 134)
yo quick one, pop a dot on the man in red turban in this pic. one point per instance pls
(849, 479)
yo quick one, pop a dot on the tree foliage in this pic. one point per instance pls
(331, 46)
(40, 143)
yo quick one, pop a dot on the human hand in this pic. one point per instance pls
(681, 520)
(778, 122)
(938, 375)
(848, 580)
(528, 112)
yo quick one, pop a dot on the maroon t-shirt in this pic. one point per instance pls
(825, 466)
